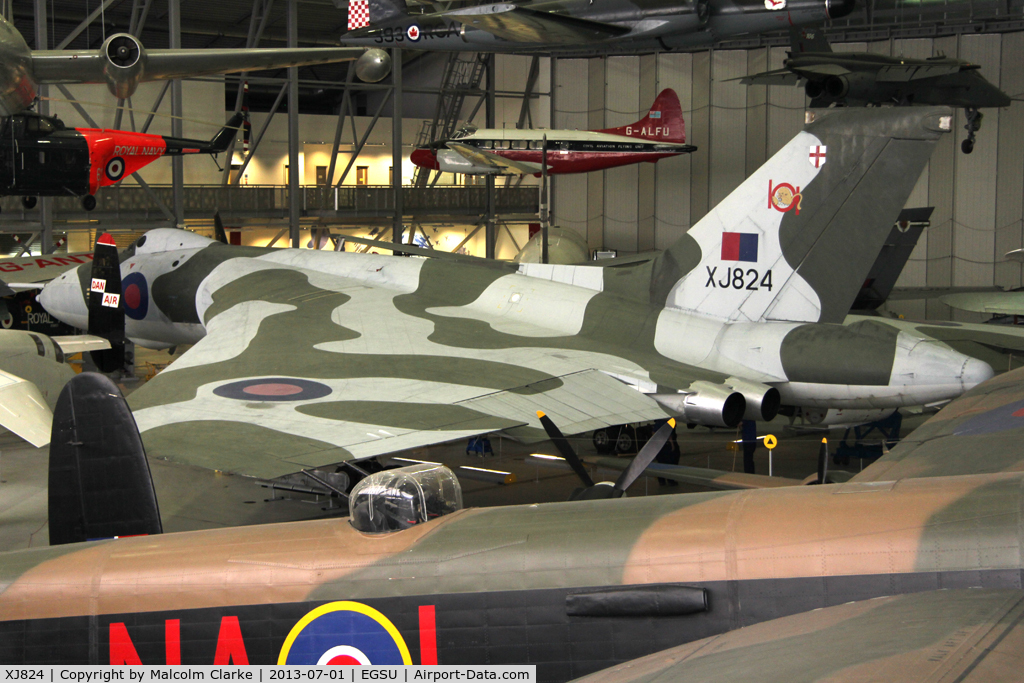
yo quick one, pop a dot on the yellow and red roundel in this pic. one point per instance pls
(344, 633)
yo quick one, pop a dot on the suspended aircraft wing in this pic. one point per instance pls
(22, 271)
(88, 66)
(970, 635)
(23, 410)
(998, 303)
(776, 77)
(699, 476)
(511, 22)
(915, 72)
(978, 433)
(369, 373)
(482, 158)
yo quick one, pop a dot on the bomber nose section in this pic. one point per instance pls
(63, 299)
(836, 9)
(974, 372)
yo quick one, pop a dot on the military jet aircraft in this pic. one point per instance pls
(40, 156)
(659, 135)
(307, 358)
(122, 63)
(571, 587)
(862, 78)
(579, 26)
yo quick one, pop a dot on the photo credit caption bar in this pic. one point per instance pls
(261, 674)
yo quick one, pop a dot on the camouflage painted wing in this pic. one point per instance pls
(699, 476)
(978, 433)
(968, 635)
(304, 369)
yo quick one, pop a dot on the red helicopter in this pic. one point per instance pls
(41, 157)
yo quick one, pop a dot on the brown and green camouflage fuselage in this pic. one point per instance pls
(506, 585)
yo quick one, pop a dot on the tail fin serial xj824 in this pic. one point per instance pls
(795, 241)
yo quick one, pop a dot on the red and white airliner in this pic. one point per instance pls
(658, 135)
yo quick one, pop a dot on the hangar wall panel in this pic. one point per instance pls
(978, 199)
(1010, 165)
(672, 192)
(622, 106)
(974, 201)
(729, 116)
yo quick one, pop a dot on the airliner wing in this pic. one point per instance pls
(482, 158)
(372, 371)
(699, 476)
(519, 24)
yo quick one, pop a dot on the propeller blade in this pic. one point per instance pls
(646, 455)
(823, 462)
(562, 444)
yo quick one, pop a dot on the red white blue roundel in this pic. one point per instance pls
(413, 33)
(344, 634)
(115, 168)
(135, 296)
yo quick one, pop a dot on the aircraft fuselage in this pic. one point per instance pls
(559, 585)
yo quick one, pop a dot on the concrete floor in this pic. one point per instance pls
(193, 498)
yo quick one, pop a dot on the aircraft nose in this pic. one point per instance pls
(424, 158)
(63, 299)
(836, 9)
(974, 372)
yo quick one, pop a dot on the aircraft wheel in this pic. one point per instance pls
(88, 202)
(603, 443)
(29, 202)
(967, 146)
(626, 443)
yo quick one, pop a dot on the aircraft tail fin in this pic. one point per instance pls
(363, 13)
(100, 485)
(218, 228)
(796, 240)
(106, 313)
(807, 39)
(664, 122)
(896, 251)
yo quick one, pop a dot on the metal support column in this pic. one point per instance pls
(43, 107)
(396, 145)
(490, 238)
(177, 163)
(294, 200)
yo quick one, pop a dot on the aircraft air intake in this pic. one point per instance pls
(124, 63)
(707, 404)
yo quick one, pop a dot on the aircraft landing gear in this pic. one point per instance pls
(88, 202)
(29, 202)
(973, 126)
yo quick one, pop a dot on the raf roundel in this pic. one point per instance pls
(115, 168)
(344, 634)
(273, 389)
(1002, 419)
(135, 296)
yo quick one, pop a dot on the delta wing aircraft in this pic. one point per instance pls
(122, 63)
(303, 359)
(659, 135)
(579, 26)
(862, 78)
(926, 544)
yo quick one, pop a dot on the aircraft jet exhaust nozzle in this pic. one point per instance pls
(763, 402)
(373, 66)
(706, 404)
(124, 64)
